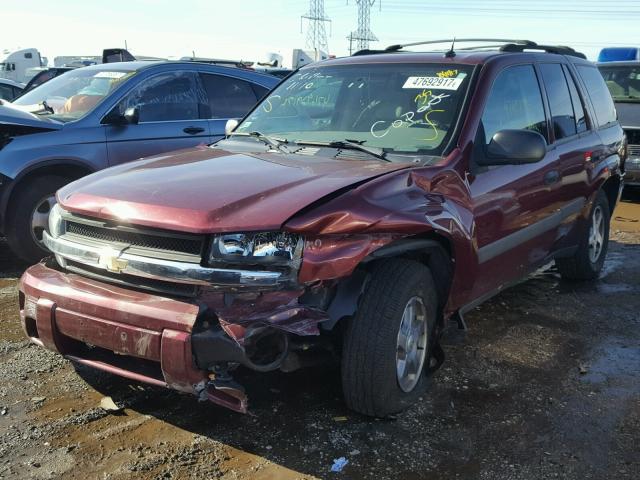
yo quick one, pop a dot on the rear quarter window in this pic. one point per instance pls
(599, 94)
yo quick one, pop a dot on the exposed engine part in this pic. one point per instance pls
(265, 348)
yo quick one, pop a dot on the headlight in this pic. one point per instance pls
(275, 248)
(56, 222)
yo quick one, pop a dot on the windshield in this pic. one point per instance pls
(401, 108)
(623, 82)
(72, 95)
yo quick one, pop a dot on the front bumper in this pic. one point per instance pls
(160, 340)
(133, 334)
(632, 174)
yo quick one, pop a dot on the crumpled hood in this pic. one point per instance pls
(204, 190)
(13, 115)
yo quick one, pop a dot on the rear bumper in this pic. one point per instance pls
(133, 334)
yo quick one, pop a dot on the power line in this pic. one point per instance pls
(363, 35)
(316, 31)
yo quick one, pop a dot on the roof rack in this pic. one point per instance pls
(218, 61)
(502, 44)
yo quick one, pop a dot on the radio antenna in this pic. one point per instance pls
(451, 53)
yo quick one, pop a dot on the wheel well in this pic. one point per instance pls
(432, 250)
(438, 256)
(62, 170)
(611, 188)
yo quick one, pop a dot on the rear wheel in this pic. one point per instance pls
(588, 260)
(29, 216)
(388, 343)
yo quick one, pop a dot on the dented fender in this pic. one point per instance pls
(430, 202)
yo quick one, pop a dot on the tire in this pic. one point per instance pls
(586, 263)
(370, 381)
(21, 237)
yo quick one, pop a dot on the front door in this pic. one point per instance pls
(171, 116)
(514, 205)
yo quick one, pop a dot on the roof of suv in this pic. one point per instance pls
(138, 65)
(457, 52)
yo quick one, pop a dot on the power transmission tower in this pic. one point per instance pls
(316, 31)
(363, 35)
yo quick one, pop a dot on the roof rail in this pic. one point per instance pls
(502, 44)
(559, 49)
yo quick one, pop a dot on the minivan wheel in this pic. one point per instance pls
(29, 215)
(588, 260)
(387, 344)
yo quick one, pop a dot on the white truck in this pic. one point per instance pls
(302, 57)
(19, 65)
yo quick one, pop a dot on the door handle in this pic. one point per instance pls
(193, 130)
(551, 177)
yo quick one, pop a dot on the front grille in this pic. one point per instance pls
(139, 283)
(634, 150)
(134, 238)
(633, 137)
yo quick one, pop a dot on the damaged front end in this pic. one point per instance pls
(239, 300)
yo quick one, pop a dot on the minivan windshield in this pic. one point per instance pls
(395, 107)
(623, 82)
(73, 94)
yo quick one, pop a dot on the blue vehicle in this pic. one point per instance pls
(619, 54)
(98, 116)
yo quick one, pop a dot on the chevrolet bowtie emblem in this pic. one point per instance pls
(110, 260)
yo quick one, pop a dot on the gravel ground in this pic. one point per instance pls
(544, 384)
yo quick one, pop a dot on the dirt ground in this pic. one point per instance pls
(544, 384)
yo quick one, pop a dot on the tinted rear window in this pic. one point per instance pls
(562, 115)
(599, 94)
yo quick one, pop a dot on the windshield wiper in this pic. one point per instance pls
(274, 142)
(47, 107)
(349, 145)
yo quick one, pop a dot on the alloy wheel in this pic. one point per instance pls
(411, 345)
(596, 234)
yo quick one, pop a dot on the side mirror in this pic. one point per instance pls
(515, 147)
(132, 115)
(230, 126)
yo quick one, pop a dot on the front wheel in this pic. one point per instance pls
(588, 260)
(388, 343)
(29, 216)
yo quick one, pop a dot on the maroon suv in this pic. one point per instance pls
(362, 204)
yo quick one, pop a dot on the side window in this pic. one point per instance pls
(578, 107)
(166, 97)
(599, 94)
(562, 115)
(6, 92)
(260, 91)
(228, 97)
(515, 102)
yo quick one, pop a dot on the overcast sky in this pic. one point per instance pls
(248, 29)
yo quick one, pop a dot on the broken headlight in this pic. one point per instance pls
(271, 248)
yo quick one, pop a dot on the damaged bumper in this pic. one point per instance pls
(175, 343)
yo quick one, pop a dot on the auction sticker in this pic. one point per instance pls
(433, 82)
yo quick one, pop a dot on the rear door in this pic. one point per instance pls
(573, 143)
(171, 116)
(228, 97)
(515, 206)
